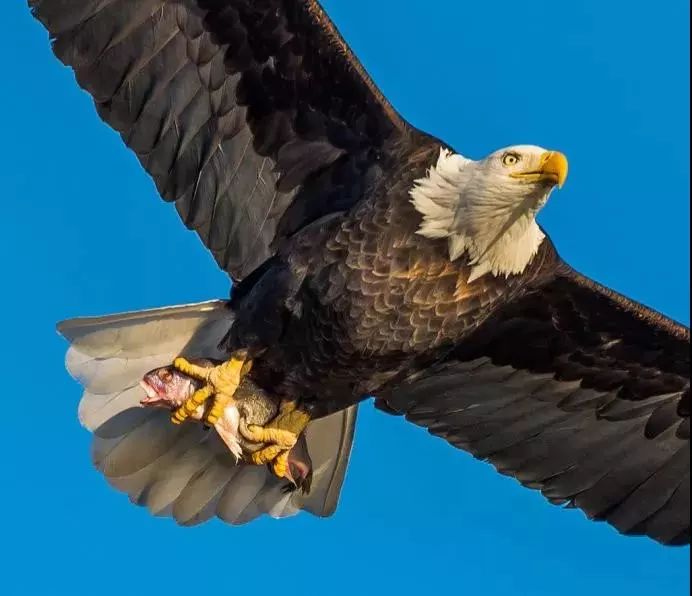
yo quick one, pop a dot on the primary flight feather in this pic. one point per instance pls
(368, 258)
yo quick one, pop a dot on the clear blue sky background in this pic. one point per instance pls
(84, 233)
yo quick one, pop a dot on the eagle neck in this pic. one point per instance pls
(497, 238)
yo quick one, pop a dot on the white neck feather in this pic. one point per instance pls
(498, 235)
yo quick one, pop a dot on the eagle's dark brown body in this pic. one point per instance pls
(371, 300)
(256, 120)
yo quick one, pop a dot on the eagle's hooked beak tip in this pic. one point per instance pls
(555, 167)
(552, 169)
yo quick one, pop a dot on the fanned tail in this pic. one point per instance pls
(184, 471)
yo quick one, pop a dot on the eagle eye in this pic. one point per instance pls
(510, 159)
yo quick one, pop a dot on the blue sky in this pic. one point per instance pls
(84, 233)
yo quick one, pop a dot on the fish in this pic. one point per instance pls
(167, 387)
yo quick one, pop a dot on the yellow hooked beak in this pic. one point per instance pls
(553, 169)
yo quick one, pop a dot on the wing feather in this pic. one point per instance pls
(575, 391)
(244, 113)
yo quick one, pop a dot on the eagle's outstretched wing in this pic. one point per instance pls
(578, 392)
(253, 116)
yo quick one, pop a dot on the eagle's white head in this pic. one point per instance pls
(487, 209)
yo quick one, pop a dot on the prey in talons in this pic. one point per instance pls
(220, 383)
(255, 426)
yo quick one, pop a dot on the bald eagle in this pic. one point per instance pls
(367, 259)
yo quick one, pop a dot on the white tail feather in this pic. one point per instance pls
(184, 472)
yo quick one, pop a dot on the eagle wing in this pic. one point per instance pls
(575, 391)
(254, 118)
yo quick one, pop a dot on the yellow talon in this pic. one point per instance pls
(277, 441)
(266, 455)
(219, 405)
(221, 382)
(200, 373)
(279, 437)
(201, 396)
(190, 405)
(280, 465)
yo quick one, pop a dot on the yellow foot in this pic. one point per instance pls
(279, 437)
(221, 382)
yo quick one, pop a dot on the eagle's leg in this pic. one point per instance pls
(221, 382)
(279, 437)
